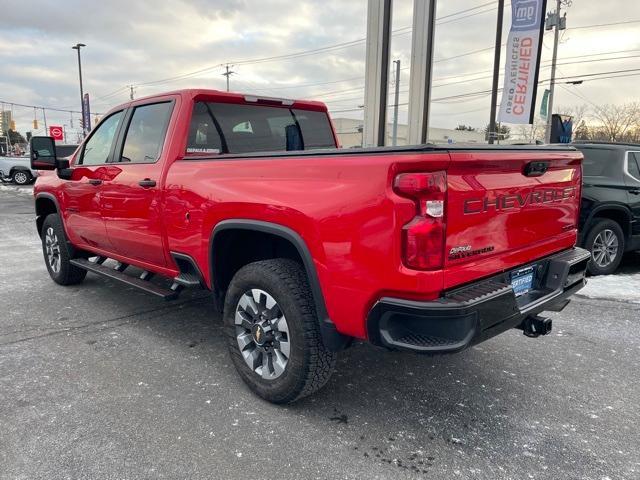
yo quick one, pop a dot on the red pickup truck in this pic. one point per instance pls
(306, 247)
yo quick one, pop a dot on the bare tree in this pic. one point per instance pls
(534, 132)
(616, 120)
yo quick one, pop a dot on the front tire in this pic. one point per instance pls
(20, 177)
(57, 254)
(273, 333)
(605, 241)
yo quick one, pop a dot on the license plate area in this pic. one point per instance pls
(522, 280)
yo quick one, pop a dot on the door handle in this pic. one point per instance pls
(635, 191)
(95, 181)
(147, 183)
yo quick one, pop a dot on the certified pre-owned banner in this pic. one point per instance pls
(523, 61)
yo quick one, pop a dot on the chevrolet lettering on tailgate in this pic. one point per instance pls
(518, 200)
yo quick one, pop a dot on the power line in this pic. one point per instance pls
(632, 72)
(332, 93)
(598, 25)
(327, 48)
(40, 107)
(458, 75)
(578, 77)
(342, 45)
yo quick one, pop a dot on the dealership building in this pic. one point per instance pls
(350, 134)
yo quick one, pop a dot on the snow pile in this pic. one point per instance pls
(621, 286)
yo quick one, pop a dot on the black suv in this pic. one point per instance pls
(610, 212)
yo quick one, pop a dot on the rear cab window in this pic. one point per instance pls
(240, 128)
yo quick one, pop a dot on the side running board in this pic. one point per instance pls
(118, 274)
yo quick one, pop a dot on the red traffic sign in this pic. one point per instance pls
(56, 132)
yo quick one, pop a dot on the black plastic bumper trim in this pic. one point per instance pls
(473, 313)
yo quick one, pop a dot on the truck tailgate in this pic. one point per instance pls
(507, 207)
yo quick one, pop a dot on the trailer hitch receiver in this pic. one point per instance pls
(535, 326)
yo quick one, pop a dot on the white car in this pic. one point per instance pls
(18, 169)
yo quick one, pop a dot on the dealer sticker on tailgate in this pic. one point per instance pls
(522, 281)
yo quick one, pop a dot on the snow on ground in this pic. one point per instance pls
(16, 189)
(622, 286)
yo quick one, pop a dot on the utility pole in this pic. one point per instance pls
(77, 47)
(496, 73)
(396, 99)
(560, 23)
(227, 74)
(131, 92)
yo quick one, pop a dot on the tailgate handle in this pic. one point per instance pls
(535, 169)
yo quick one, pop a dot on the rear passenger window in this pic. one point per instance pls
(145, 134)
(597, 161)
(633, 165)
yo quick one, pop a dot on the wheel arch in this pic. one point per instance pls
(45, 204)
(267, 240)
(618, 213)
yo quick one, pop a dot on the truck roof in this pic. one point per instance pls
(231, 97)
(611, 145)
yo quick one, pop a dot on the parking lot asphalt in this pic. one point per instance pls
(102, 381)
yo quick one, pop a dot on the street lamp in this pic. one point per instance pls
(77, 47)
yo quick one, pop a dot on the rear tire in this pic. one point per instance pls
(270, 301)
(57, 254)
(605, 241)
(21, 177)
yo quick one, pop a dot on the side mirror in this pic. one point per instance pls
(64, 172)
(43, 153)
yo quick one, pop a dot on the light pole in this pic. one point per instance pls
(560, 23)
(394, 135)
(496, 75)
(77, 47)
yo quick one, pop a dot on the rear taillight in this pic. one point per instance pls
(423, 237)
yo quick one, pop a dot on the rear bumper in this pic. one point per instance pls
(476, 312)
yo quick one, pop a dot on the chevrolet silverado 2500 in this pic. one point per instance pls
(305, 246)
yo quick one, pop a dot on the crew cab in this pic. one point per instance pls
(306, 246)
(610, 212)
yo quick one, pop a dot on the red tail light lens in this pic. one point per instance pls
(423, 238)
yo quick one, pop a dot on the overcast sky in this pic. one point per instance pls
(138, 42)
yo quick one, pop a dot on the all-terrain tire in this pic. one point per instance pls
(601, 231)
(309, 364)
(57, 253)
